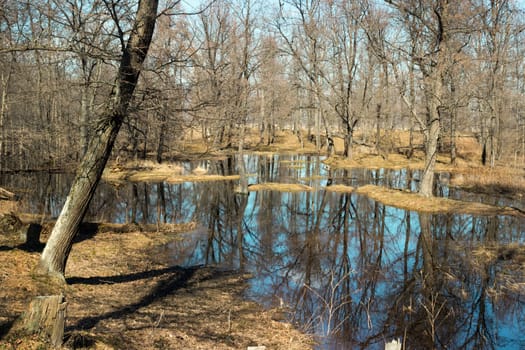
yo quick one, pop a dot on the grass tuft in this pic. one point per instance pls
(271, 186)
(413, 201)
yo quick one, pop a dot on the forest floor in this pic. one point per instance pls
(124, 293)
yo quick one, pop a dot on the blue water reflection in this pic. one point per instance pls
(353, 271)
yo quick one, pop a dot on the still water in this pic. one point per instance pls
(352, 271)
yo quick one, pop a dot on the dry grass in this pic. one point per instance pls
(271, 186)
(512, 256)
(503, 180)
(286, 142)
(8, 206)
(339, 188)
(124, 293)
(413, 201)
(171, 168)
(468, 147)
(150, 171)
(161, 174)
(201, 178)
(371, 161)
(467, 173)
(192, 144)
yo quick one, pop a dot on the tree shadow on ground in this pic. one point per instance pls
(34, 232)
(135, 276)
(5, 327)
(32, 240)
(176, 278)
(86, 231)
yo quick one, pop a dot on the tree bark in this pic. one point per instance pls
(46, 316)
(5, 78)
(243, 180)
(54, 257)
(348, 140)
(431, 146)
(434, 69)
(432, 133)
(84, 120)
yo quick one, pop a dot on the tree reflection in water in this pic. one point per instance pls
(351, 270)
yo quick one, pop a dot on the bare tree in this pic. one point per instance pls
(83, 24)
(163, 93)
(376, 24)
(342, 76)
(56, 252)
(497, 29)
(302, 34)
(430, 26)
(274, 90)
(213, 75)
(246, 65)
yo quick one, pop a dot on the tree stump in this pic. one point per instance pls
(11, 226)
(15, 233)
(46, 317)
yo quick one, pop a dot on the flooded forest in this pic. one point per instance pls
(286, 174)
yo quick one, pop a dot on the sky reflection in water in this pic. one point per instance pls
(355, 272)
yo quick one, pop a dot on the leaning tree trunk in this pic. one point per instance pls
(55, 254)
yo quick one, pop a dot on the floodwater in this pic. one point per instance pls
(351, 270)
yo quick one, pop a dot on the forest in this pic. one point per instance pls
(322, 69)
(209, 91)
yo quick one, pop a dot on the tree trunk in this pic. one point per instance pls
(431, 146)
(162, 137)
(46, 316)
(55, 254)
(349, 136)
(348, 144)
(453, 144)
(378, 126)
(84, 120)
(318, 130)
(494, 131)
(243, 179)
(3, 111)
(453, 123)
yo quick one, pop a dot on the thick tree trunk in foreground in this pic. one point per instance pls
(55, 254)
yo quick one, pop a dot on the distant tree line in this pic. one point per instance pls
(321, 68)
